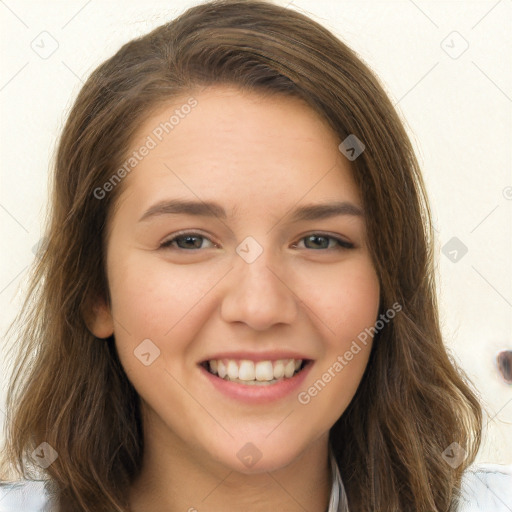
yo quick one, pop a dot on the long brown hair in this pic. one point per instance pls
(68, 388)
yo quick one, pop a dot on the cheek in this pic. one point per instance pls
(153, 296)
(345, 300)
(154, 299)
(163, 303)
(348, 307)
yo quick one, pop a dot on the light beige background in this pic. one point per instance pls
(456, 102)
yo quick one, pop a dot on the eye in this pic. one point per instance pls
(321, 241)
(193, 241)
(188, 240)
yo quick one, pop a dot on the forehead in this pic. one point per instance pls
(242, 148)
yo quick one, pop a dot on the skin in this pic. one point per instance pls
(260, 158)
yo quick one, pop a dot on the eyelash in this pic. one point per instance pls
(342, 244)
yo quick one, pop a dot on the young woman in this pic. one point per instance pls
(235, 305)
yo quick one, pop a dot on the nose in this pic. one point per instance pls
(259, 295)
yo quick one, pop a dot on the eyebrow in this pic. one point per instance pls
(211, 209)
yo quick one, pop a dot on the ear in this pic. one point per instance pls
(99, 320)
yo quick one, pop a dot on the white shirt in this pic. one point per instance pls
(485, 488)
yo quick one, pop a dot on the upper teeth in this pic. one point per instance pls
(245, 369)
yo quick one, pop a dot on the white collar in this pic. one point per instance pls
(338, 499)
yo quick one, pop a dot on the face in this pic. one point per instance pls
(223, 255)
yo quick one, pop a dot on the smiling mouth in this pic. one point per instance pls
(261, 373)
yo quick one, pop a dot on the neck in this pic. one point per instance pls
(175, 478)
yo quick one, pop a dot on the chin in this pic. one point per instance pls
(250, 459)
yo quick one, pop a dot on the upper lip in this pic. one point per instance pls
(257, 356)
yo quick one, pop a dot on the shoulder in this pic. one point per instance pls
(26, 495)
(486, 488)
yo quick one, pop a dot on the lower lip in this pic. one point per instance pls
(258, 394)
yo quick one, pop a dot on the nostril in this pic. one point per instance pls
(504, 363)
